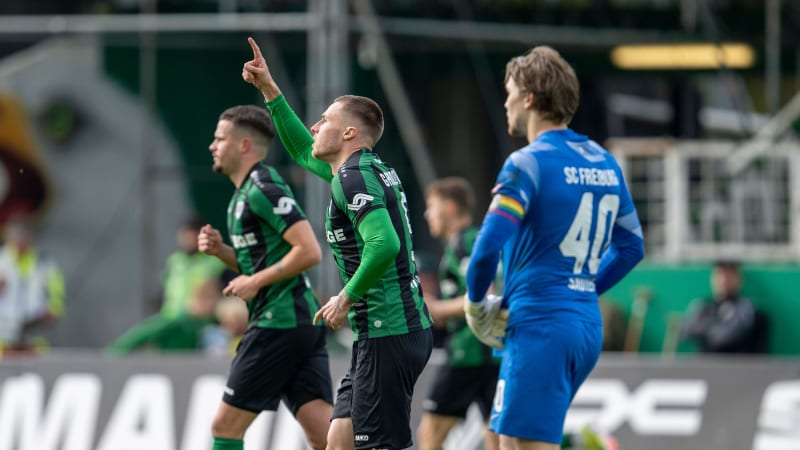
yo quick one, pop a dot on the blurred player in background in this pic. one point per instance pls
(282, 354)
(568, 231)
(470, 375)
(185, 268)
(31, 289)
(233, 318)
(369, 233)
(188, 331)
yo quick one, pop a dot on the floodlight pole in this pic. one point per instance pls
(773, 51)
(327, 75)
(148, 207)
(389, 76)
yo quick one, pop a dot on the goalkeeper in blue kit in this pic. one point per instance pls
(567, 229)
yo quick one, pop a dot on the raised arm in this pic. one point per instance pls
(296, 138)
(291, 131)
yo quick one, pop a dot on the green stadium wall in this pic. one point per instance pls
(673, 287)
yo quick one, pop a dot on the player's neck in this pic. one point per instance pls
(238, 177)
(457, 226)
(538, 126)
(343, 156)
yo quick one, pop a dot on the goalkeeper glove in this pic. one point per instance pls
(487, 320)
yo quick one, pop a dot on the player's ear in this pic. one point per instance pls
(451, 208)
(350, 133)
(245, 144)
(530, 100)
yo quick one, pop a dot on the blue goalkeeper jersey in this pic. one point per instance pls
(567, 227)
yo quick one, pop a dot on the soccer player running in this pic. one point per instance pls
(282, 354)
(470, 375)
(567, 228)
(369, 232)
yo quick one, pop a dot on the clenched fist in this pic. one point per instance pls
(209, 240)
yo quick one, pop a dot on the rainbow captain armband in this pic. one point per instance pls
(507, 207)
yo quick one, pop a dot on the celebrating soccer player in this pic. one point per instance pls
(369, 233)
(564, 221)
(282, 354)
(470, 374)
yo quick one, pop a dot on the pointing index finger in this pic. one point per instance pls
(256, 51)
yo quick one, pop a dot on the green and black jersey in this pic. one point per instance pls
(393, 303)
(260, 211)
(463, 348)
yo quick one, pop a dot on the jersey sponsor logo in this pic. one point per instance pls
(285, 205)
(239, 241)
(239, 209)
(359, 200)
(362, 437)
(336, 235)
(590, 176)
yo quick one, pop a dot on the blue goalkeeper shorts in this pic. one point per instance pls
(543, 366)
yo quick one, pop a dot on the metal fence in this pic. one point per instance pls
(692, 208)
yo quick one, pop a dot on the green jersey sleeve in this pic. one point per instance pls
(296, 138)
(381, 245)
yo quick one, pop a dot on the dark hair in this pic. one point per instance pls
(455, 189)
(252, 118)
(192, 223)
(367, 112)
(551, 79)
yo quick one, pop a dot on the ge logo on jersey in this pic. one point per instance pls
(285, 205)
(359, 200)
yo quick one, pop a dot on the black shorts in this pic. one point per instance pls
(271, 365)
(376, 391)
(455, 388)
